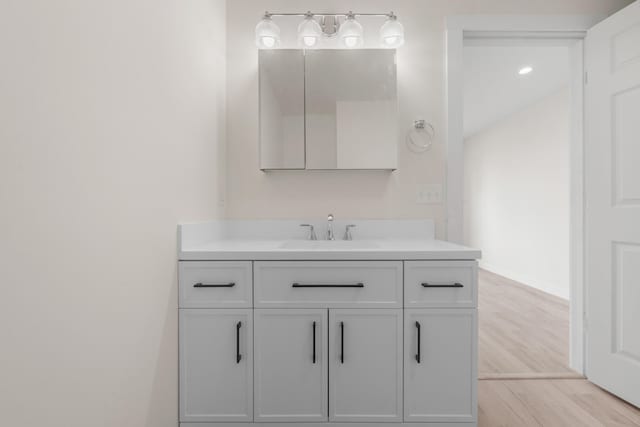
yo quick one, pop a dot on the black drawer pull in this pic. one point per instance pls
(327, 285)
(342, 342)
(214, 285)
(238, 355)
(314, 342)
(418, 353)
(449, 285)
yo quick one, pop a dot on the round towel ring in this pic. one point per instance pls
(420, 138)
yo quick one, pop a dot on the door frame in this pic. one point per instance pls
(523, 29)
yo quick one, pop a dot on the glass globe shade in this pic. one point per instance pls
(309, 32)
(350, 33)
(267, 33)
(392, 33)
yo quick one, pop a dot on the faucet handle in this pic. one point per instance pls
(312, 232)
(347, 232)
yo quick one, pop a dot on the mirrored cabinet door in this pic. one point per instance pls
(351, 109)
(282, 109)
(328, 109)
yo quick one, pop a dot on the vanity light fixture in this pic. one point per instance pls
(267, 33)
(525, 70)
(309, 32)
(392, 32)
(315, 27)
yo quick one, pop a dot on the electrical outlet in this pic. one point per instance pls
(429, 194)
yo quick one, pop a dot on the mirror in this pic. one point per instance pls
(328, 109)
(281, 109)
(351, 109)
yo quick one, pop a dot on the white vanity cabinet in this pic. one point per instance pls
(216, 365)
(365, 370)
(290, 380)
(440, 365)
(215, 341)
(328, 343)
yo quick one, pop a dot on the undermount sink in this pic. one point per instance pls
(328, 244)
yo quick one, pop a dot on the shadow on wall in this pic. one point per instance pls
(166, 360)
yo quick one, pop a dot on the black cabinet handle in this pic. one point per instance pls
(214, 285)
(238, 355)
(342, 342)
(418, 353)
(446, 285)
(314, 342)
(327, 285)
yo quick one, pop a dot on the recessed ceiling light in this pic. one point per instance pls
(525, 70)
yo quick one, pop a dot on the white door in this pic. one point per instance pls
(365, 365)
(440, 357)
(290, 365)
(612, 203)
(216, 365)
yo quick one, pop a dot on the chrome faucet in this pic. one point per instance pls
(347, 232)
(330, 235)
(312, 231)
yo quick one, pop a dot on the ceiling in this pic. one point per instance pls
(493, 89)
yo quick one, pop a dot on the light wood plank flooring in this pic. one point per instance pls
(522, 331)
(523, 367)
(551, 403)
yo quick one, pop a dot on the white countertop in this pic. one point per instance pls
(355, 250)
(205, 242)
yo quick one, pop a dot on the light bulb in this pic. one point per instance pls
(391, 41)
(309, 41)
(392, 32)
(309, 31)
(350, 41)
(350, 32)
(267, 41)
(267, 33)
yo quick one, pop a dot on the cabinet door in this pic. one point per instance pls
(440, 365)
(216, 365)
(291, 365)
(366, 365)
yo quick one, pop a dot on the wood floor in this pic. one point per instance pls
(522, 330)
(523, 367)
(552, 403)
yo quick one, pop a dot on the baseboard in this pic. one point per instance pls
(531, 376)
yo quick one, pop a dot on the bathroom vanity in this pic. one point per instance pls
(380, 329)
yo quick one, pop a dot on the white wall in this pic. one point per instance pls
(517, 195)
(252, 193)
(112, 115)
(111, 128)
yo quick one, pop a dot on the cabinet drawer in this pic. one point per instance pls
(211, 284)
(440, 283)
(328, 284)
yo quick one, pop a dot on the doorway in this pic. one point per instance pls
(607, 39)
(560, 32)
(517, 116)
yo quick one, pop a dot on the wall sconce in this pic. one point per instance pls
(344, 25)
